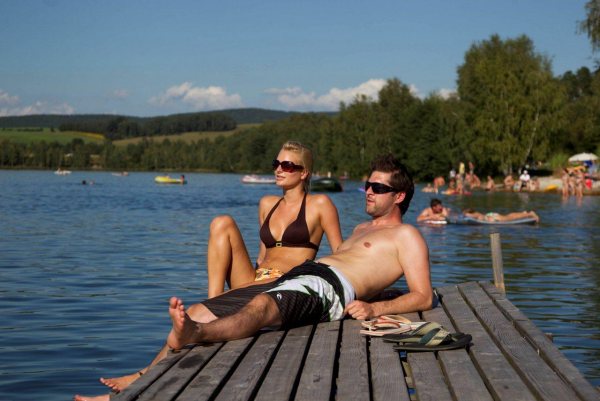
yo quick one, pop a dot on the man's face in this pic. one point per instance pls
(380, 204)
(437, 209)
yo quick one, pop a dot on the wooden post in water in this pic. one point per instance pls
(497, 261)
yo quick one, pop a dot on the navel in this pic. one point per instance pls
(367, 244)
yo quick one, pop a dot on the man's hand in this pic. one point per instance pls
(360, 310)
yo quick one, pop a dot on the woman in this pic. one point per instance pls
(291, 228)
(497, 217)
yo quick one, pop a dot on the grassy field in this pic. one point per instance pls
(28, 135)
(187, 137)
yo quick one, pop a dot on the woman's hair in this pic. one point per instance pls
(306, 158)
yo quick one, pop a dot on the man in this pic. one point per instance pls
(377, 254)
(435, 212)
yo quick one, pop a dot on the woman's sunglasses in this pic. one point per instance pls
(288, 167)
(379, 188)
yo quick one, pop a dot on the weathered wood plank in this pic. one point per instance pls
(387, 375)
(244, 381)
(353, 370)
(538, 375)
(285, 369)
(173, 381)
(317, 376)
(144, 382)
(462, 377)
(498, 375)
(209, 379)
(427, 376)
(547, 350)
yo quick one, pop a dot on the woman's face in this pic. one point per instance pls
(290, 171)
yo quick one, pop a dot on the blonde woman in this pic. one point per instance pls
(291, 228)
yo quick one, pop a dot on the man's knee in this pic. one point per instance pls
(221, 223)
(266, 307)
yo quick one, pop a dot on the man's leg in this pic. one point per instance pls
(261, 312)
(197, 312)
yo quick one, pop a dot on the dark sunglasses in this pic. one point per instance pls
(379, 188)
(288, 167)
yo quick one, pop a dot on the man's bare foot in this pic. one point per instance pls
(105, 397)
(185, 330)
(535, 216)
(120, 383)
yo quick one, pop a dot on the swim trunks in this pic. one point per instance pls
(263, 273)
(232, 301)
(491, 216)
(296, 235)
(310, 293)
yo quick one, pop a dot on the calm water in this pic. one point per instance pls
(86, 271)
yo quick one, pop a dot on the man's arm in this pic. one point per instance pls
(424, 215)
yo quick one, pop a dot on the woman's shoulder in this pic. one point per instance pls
(318, 200)
(268, 201)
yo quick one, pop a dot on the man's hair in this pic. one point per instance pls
(401, 179)
(435, 202)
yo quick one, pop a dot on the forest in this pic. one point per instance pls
(509, 111)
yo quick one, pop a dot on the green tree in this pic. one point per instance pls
(512, 101)
(591, 25)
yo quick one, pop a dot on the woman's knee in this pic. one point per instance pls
(222, 223)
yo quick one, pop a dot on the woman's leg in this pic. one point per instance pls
(228, 259)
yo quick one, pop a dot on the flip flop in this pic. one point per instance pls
(386, 324)
(416, 334)
(451, 341)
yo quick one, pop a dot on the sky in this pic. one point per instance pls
(149, 58)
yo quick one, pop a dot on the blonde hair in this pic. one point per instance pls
(306, 159)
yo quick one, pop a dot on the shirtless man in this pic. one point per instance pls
(435, 211)
(377, 254)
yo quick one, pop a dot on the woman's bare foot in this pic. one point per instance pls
(120, 383)
(185, 330)
(105, 397)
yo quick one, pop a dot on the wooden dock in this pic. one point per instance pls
(509, 359)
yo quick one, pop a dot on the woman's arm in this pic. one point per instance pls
(330, 222)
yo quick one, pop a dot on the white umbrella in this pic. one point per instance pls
(583, 157)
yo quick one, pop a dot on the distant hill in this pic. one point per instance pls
(240, 116)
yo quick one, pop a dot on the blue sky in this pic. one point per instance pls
(148, 58)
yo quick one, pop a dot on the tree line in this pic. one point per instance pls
(509, 111)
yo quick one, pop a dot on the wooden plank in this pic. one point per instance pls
(353, 370)
(173, 381)
(462, 377)
(387, 376)
(537, 374)
(211, 378)
(285, 369)
(498, 375)
(317, 376)
(141, 384)
(427, 376)
(547, 350)
(244, 381)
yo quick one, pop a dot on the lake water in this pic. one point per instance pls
(87, 270)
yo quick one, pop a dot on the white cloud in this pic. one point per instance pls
(7, 99)
(9, 106)
(209, 98)
(295, 98)
(120, 93)
(445, 93)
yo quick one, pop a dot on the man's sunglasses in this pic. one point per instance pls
(288, 167)
(379, 188)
